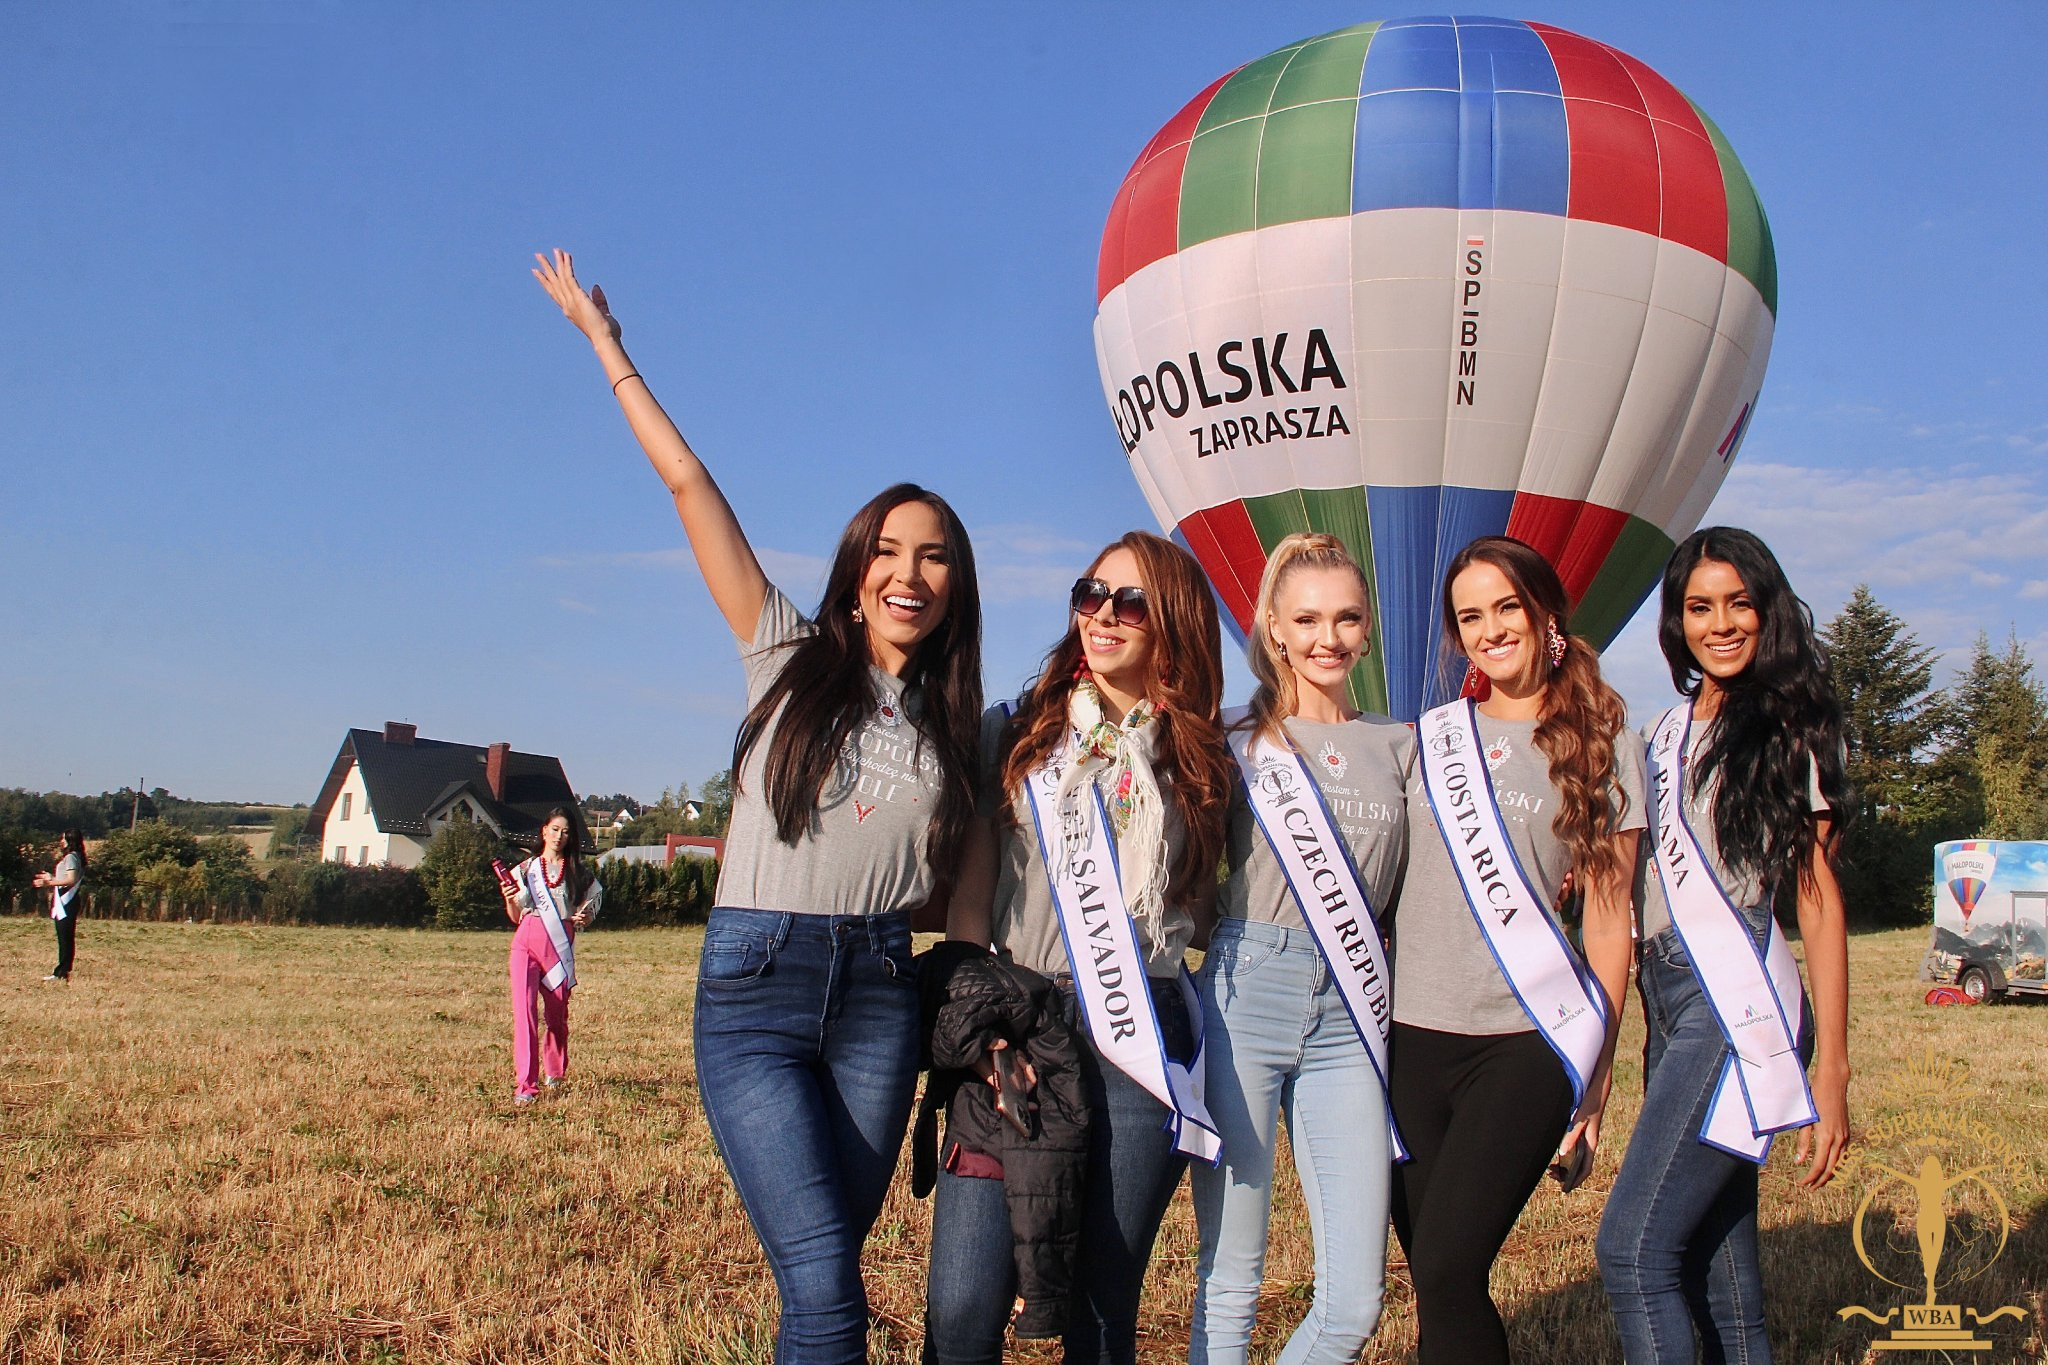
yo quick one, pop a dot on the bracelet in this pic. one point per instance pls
(622, 379)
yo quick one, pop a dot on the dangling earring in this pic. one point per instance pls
(1556, 644)
(858, 617)
(1283, 651)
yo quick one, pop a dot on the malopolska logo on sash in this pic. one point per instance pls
(1108, 963)
(1291, 813)
(1553, 985)
(1755, 996)
(562, 971)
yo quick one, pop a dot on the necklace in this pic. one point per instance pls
(555, 877)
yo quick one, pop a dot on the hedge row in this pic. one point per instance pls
(636, 894)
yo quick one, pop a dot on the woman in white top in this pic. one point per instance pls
(853, 779)
(550, 897)
(1295, 989)
(66, 883)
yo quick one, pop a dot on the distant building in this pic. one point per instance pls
(672, 847)
(389, 792)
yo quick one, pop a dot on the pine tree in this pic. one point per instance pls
(1882, 675)
(1996, 749)
(1891, 726)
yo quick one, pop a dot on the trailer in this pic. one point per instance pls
(1990, 918)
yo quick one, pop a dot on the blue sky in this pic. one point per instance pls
(293, 441)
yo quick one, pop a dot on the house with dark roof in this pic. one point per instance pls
(390, 791)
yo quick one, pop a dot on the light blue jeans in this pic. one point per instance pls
(1279, 1039)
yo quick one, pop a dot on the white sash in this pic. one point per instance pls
(1755, 996)
(1288, 805)
(563, 971)
(1547, 977)
(1109, 966)
(60, 900)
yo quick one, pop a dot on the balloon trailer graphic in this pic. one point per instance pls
(1423, 280)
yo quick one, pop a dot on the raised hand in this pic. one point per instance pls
(588, 311)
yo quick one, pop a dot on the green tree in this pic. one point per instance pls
(228, 870)
(715, 799)
(124, 854)
(288, 834)
(1995, 754)
(462, 890)
(1891, 722)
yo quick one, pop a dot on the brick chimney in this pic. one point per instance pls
(398, 732)
(494, 769)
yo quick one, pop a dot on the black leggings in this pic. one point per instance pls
(1482, 1115)
(67, 938)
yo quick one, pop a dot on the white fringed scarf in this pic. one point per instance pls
(1123, 753)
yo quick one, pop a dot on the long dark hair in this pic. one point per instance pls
(822, 693)
(1580, 715)
(1779, 717)
(72, 842)
(573, 874)
(1186, 687)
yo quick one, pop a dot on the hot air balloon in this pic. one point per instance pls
(1968, 866)
(1424, 280)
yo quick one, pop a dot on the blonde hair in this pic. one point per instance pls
(1277, 697)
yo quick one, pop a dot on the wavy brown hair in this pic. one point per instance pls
(1580, 715)
(822, 692)
(1186, 687)
(1277, 695)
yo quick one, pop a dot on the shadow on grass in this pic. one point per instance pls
(1811, 1271)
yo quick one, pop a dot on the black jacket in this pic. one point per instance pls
(970, 999)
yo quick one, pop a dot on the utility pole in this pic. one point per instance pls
(135, 815)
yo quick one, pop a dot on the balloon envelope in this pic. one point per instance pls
(1424, 280)
(1968, 867)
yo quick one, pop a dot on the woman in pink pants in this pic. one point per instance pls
(549, 897)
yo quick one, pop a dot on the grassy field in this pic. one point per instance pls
(226, 1143)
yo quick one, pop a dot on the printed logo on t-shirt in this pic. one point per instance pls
(1498, 753)
(1333, 763)
(861, 813)
(888, 712)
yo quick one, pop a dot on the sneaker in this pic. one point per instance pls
(553, 1082)
(522, 1101)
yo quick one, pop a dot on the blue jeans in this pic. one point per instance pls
(1132, 1172)
(806, 1042)
(1279, 1038)
(1677, 1243)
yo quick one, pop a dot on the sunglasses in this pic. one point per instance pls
(1132, 608)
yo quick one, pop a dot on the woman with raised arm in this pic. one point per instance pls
(1103, 799)
(1295, 988)
(549, 898)
(65, 881)
(854, 779)
(1503, 1031)
(1745, 774)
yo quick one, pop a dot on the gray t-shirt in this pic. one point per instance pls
(1362, 767)
(1023, 925)
(1745, 889)
(1445, 977)
(863, 852)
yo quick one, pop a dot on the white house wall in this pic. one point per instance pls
(354, 837)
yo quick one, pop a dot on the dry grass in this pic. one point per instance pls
(228, 1143)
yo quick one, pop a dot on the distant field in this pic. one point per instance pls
(232, 1143)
